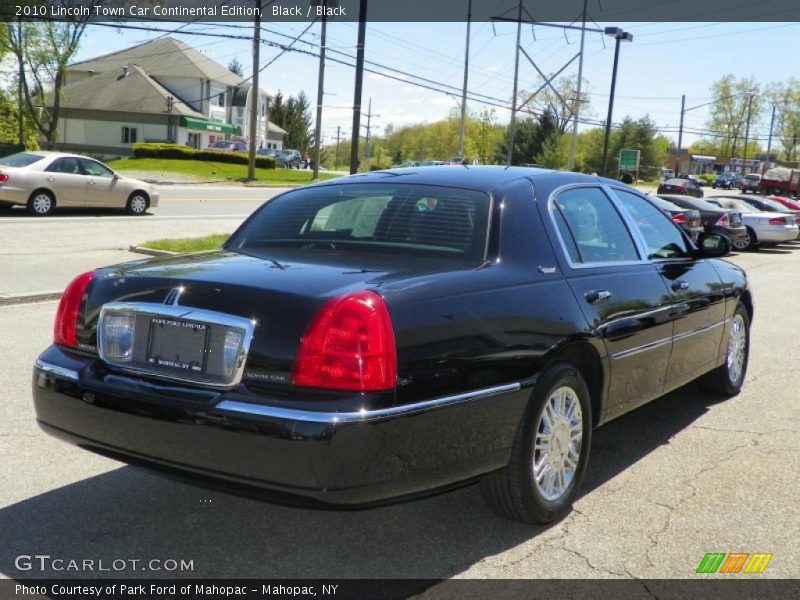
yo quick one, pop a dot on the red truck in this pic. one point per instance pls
(780, 181)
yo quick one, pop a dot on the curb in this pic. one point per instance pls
(151, 251)
(27, 298)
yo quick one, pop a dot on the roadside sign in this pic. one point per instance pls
(629, 160)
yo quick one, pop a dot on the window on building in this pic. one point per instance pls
(129, 135)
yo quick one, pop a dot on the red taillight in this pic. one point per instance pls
(680, 188)
(349, 345)
(778, 221)
(65, 332)
(680, 218)
(723, 220)
(4, 177)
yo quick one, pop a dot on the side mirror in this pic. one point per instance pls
(714, 245)
(116, 176)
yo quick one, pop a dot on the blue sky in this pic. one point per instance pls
(664, 61)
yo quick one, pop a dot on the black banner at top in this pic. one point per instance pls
(304, 11)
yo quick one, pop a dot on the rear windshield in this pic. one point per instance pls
(752, 177)
(433, 221)
(23, 159)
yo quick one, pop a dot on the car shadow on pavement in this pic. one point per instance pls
(127, 513)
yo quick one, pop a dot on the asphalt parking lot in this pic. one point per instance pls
(681, 477)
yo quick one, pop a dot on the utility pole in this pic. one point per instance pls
(680, 136)
(320, 87)
(464, 90)
(368, 127)
(362, 32)
(255, 96)
(513, 124)
(769, 140)
(579, 100)
(336, 157)
(747, 132)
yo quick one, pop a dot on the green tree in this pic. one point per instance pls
(785, 96)
(293, 115)
(529, 138)
(560, 100)
(45, 49)
(734, 101)
(555, 152)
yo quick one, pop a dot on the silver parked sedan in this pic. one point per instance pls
(42, 181)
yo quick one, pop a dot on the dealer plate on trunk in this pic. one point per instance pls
(178, 344)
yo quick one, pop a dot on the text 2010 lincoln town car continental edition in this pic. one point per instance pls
(387, 335)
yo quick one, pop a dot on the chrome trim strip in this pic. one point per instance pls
(661, 342)
(697, 330)
(262, 410)
(56, 370)
(181, 312)
(642, 348)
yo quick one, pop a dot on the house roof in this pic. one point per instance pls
(111, 91)
(166, 57)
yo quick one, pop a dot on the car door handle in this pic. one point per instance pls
(90, 182)
(597, 296)
(679, 286)
(51, 179)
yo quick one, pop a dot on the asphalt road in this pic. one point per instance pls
(678, 478)
(44, 254)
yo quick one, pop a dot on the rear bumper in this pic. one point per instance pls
(777, 233)
(13, 195)
(250, 445)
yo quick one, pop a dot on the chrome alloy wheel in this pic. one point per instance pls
(742, 242)
(42, 203)
(138, 204)
(557, 445)
(737, 345)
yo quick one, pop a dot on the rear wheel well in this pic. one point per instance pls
(585, 358)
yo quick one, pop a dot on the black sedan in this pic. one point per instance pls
(397, 333)
(715, 219)
(688, 218)
(685, 187)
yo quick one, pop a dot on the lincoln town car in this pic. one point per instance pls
(388, 335)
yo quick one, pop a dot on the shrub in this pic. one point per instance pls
(176, 151)
(707, 177)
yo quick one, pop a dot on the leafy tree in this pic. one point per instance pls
(234, 66)
(529, 138)
(733, 100)
(561, 105)
(555, 152)
(45, 48)
(293, 115)
(786, 99)
(9, 119)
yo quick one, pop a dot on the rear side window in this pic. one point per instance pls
(67, 165)
(662, 237)
(392, 218)
(22, 159)
(591, 228)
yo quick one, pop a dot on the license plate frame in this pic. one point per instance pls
(159, 356)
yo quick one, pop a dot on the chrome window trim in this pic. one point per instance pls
(626, 219)
(179, 312)
(52, 369)
(262, 410)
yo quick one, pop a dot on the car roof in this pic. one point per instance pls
(53, 154)
(482, 178)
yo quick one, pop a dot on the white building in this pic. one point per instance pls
(160, 91)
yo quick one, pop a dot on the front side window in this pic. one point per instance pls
(662, 238)
(95, 169)
(387, 218)
(591, 228)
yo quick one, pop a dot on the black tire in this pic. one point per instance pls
(38, 205)
(512, 492)
(724, 380)
(137, 204)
